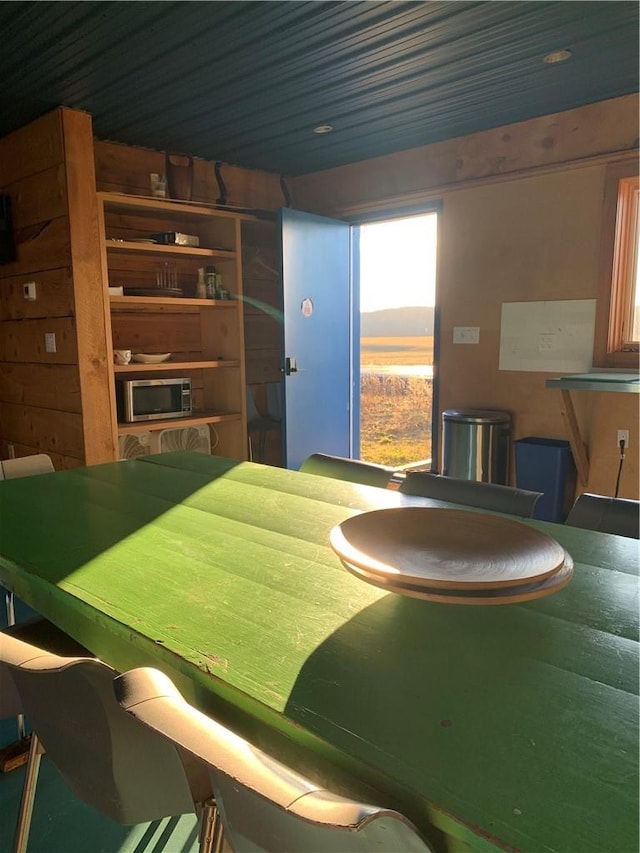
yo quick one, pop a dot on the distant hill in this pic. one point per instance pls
(397, 322)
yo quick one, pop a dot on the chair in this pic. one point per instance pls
(262, 805)
(608, 515)
(352, 470)
(109, 759)
(492, 496)
(22, 466)
(263, 424)
(25, 466)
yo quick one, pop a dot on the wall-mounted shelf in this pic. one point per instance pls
(625, 382)
(618, 381)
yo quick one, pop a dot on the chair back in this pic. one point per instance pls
(264, 805)
(608, 515)
(274, 400)
(107, 758)
(38, 632)
(351, 470)
(273, 415)
(252, 411)
(491, 496)
(25, 466)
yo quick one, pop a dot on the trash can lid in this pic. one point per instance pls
(476, 416)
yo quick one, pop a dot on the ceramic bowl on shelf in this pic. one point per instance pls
(150, 358)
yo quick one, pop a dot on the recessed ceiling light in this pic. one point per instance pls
(323, 128)
(557, 56)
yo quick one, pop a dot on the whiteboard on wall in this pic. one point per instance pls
(548, 336)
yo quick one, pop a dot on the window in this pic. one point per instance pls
(625, 261)
(618, 317)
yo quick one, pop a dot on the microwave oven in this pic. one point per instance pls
(152, 399)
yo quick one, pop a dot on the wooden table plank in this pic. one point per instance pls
(505, 727)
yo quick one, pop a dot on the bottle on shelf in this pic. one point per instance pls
(201, 288)
(210, 274)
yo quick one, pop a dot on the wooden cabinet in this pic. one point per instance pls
(204, 336)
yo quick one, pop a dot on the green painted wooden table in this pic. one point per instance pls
(499, 727)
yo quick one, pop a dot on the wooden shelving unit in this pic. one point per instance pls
(204, 336)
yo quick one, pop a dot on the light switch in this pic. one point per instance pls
(29, 291)
(50, 341)
(466, 334)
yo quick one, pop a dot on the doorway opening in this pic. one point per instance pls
(397, 285)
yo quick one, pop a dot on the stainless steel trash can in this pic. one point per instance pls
(476, 444)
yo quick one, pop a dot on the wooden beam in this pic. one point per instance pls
(578, 447)
(91, 304)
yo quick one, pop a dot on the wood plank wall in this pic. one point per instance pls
(521, 220)
(53, 402)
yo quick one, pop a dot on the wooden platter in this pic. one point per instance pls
(446, 550)
(507, 595)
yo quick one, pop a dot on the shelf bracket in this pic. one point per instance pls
(578, 447)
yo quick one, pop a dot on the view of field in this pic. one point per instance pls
(395, 409)
(396, 351)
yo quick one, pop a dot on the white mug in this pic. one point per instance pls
(158, 185)
(122, 356)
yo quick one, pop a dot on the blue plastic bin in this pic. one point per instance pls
(546, 465)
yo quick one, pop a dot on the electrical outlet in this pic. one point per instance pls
(623, 435)
(50, 342)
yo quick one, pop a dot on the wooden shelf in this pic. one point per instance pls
(620, 381)
(170, 249)
(138, 367)
(118, 202)
(193, 420)
(154, 304)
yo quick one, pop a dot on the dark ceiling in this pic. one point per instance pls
(246, 82)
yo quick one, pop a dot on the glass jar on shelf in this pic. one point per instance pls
(211, 281)
(201, 286)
